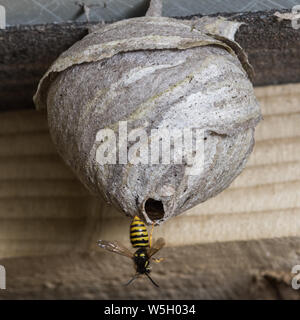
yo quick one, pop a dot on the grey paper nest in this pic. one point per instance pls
(153, 72)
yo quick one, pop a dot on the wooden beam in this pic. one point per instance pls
(26, 52)
(232, 270)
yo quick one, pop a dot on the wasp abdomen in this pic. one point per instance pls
(138, 233)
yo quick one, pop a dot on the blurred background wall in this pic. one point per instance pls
(249, 231)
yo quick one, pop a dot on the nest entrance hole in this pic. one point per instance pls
(154, 209)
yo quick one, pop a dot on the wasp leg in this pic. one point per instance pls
(131, 280)
(158, 260)
(151, 233)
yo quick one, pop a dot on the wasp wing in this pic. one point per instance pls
(115, 246)
(157, 245)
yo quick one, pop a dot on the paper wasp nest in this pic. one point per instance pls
(152, 73)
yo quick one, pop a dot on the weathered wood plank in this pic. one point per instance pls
(230, 270)
(26, 52)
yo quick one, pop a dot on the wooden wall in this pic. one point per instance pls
(45, 210)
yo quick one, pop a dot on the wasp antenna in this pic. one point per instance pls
(131, 280)
(152, 280)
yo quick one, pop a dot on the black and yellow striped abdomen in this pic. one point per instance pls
(138, 233)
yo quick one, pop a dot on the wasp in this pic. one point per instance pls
(145, 249)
